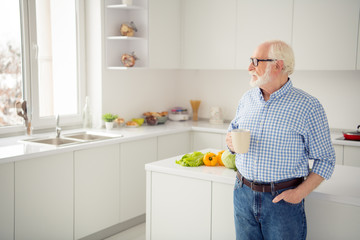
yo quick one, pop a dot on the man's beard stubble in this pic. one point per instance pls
(265, 78)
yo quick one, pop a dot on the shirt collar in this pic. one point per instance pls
(283, 90)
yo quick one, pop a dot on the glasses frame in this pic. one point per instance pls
(255, 61)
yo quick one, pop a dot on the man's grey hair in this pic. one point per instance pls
(282, 51)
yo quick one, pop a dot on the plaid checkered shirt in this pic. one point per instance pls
(286, 132)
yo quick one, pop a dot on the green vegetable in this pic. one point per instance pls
(108, 117)
(194, 159)
(228, 159)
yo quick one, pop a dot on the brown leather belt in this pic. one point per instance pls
(267, 186)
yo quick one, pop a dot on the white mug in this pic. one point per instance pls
(241, 140)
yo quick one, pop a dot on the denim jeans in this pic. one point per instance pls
(257, 217)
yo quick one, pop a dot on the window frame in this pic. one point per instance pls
(30, 68)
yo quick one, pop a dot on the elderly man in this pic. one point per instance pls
(288, 128)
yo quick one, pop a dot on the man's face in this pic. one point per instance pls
(260, 75)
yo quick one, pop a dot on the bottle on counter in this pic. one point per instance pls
(86, 114)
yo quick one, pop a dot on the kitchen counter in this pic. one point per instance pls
(204, 194)
(11, 149)
(343, 186)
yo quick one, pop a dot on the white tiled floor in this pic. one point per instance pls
(134, 233)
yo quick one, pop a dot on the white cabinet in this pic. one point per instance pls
(96, 189)
(180, 208)
(134, 156)
(331, 220)
(358, 48)
(274, 19)
(352, 156)
(7, 201)
(325, 34)
(164, 33)
(116, 45)
(173, 145)
(222, 216)
(44, 190)
(339, 154)
(202, 140)
(209, 34)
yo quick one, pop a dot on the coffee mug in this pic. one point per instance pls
(241, 140)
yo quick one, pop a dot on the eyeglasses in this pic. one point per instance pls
(256, 61)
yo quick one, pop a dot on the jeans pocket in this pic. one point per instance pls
(237, 183)
(285, 202)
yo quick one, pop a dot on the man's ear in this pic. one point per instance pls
(279, 65)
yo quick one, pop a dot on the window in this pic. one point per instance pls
(45, 61)
(10, 62)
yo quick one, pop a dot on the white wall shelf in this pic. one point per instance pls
(116, 45)
(127, 7)
(125, 38)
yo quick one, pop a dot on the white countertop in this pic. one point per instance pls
(12, 150)
(343, 186)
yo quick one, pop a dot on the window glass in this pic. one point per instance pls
(11, 82)
(56, 52)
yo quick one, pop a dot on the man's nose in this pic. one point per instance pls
(251, 67)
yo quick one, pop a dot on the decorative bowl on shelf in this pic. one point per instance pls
(128, 60)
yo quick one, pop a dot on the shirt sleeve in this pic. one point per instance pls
(234, 123)
(319, 145)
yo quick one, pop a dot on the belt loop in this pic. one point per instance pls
(272, 188)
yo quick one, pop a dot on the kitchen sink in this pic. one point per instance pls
(52, 141)
(71, 138)
(84, 136)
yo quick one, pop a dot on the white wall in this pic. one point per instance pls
(338, 91)
(131, 92)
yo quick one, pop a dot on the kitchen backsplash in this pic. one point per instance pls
(129, 93)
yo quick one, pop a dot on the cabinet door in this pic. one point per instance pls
(274, 19)
(202, 140)
(7, 201)
(358, 48)
(173, 145)
(134, 156)
(222, 211)
(339, 153)
(164, 33)
(325, 34)
(180, 208)
(352, 156)
(331, 220)
(44, 194)
(209, 34)
(96, 189)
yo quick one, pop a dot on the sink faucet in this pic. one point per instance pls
(58, 128)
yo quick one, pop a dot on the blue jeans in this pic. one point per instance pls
(257, 217)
